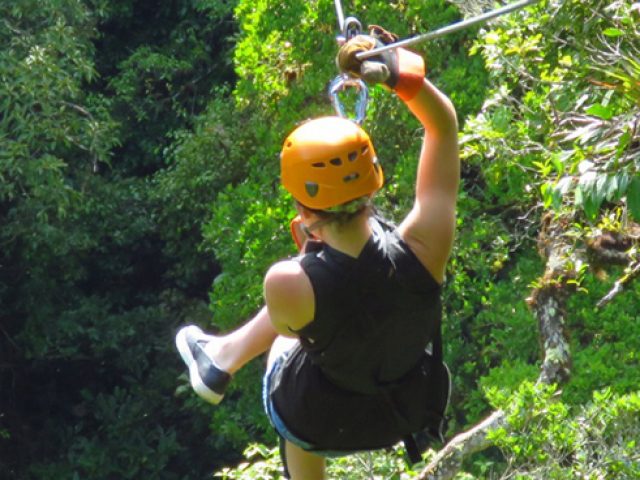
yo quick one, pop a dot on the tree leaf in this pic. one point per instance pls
(546, 191)
(578, 199)
(600, 111)
(613, 32)
(623, 142)
(611, 187)
(633, 197)
(564, 185)
(601, 187)
(558, 164)
(623, 183)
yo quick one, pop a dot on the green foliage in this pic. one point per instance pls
(45, 125)
(89, 295)
(549, 439)
(264, 463)
(492, 336)
(605, 344)
(159, 63)
(564, 106)
(200, 163)
(540, 143)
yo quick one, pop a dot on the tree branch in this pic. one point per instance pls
(448, 461)
(631, 273)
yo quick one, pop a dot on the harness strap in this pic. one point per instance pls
(283, 457)
(417, 443)
(411, 446)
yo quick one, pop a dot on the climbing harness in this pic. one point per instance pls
(448, 29)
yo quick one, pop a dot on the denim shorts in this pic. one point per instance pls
(277, 421)
(270, 410)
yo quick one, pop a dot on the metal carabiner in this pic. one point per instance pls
(340, 84)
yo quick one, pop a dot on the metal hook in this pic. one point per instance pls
(351, 28)
(341, 83)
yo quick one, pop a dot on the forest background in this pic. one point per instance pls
(139, 191)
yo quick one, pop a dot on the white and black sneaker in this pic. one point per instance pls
(207, 379)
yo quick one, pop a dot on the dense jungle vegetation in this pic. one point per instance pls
(139, 191)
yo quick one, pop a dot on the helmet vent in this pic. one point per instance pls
(311, 188)
(364, 149)
(351, 177)
(353, 156)
(318, 165)
(335, 161)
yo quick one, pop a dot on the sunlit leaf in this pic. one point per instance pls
(600, 111)
(613, 32)
(564, 185)
(612, 185)
(633, 197)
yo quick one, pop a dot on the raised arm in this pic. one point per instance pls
(429, 227)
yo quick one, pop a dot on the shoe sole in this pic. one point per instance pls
(197, 384)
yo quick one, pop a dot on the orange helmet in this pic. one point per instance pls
(329, 161)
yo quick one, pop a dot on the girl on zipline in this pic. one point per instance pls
(353, 322)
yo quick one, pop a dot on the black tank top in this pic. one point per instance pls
(374, 316)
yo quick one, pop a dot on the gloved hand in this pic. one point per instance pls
(399, 69)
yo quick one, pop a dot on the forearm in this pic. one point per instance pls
(439, 165)
(435, 111)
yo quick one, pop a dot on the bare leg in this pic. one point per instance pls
(235, 349)
(303, 465)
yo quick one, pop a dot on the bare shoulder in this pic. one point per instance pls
(289, 296)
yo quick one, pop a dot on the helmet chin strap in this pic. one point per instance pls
(308, 231)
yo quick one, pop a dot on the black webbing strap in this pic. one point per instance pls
(283, 457)
(410, 444)
(437, 343)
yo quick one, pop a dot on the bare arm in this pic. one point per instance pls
(429, 227)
